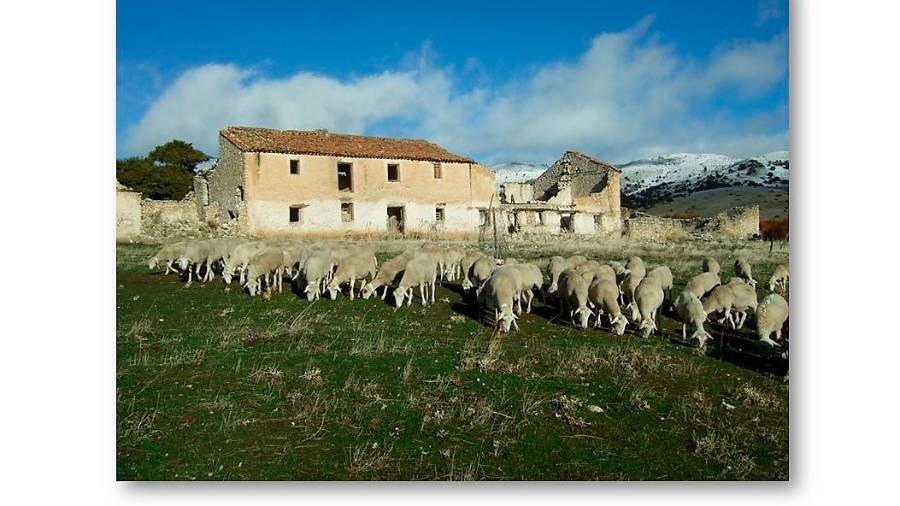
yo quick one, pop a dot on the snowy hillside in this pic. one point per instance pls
(650, 181)
(517, 171)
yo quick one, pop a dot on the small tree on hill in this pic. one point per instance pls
(167, 172)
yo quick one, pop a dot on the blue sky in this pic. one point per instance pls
(519, 81)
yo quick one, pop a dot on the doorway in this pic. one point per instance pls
(396, 219)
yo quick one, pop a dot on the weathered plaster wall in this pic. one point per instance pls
(225, 184)
(517, 193)
(128, 215)
(583, 223)
(270, 190)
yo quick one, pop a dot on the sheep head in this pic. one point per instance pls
(153, 263)
(584, 315)
(618, 323)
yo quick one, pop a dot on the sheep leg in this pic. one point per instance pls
(432, 290)
(352, 283)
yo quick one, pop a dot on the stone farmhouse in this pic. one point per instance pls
(294, 182)
(576, 194)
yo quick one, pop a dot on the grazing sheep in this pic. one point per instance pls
(452, 259)
(386, 276)
(238, 258)
(360, 265)
(779, 278)
(168, 254)
(557, 266)
(619, 269)
(702, 283)
(499, 293)
(218, 250)
(711, 265)
(482, 269)
(194, 254)
(627, 288)
(690, 312)
(528, 277)
(744, 301)
(576, 260)
(648, 298)
(663, 275)
(603, 293)
(573, 295)
(720, 300)
(466, 264)
(269, 262)
(420, 271)
(770, 317)
(742, 270)
(636, 266)
(316, 269)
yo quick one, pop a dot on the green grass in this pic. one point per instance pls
(215, 385)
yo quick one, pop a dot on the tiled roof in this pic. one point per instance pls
(322, 142)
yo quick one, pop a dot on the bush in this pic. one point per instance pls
(776, 229)
(167, 173)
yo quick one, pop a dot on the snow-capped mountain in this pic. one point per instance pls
(649, 181)
(517, 171)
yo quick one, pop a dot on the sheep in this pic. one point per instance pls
(720, 300)
(702, 283)
(238, 258)
(663, 275)
(421, 270)
(167, 255)
(452, 259)
(316, 269)
(466, 264)
(742, 270)
(636, 266)
(511, 261)
(573, 295)
(481, 269)
(357, 266)
(557, 266)
(603, 293)
(779, 278)
(619, 269)
(194, 253)
(711, 265)
(576, 260)
(499, 293)
(770, 317)
(387, 274)
(532, 279)
(744, 301)
(218, 250)
(648, 298)
(690, 311)
(264, 264)
(628, 286)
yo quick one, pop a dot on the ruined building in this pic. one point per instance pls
(281, 182)
(576, 194)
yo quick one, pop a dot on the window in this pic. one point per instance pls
(439, 214)
(240, 193)
(295, 166)
(294, 215)
(346, 212)
(438, 170)
(393, 172)
(345, 177)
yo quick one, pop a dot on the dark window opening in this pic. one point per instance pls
(439, 214)
(438, 170)
(346, 212)
(295, 166)
(597, 219)
(565, 222)
(232, 215)
(294, 215)
(345, 177)
(393, 172)
(395, 219)
(240, 193)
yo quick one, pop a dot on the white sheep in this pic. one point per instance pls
(779, 278)
(742, 270)
(573, 295)
(720, 300)
(269, 262)
(359, 265)
(316, 269)
(238, 258)
(499, 294)
(711, 265)
(628, 287)
(620, 270)
(452, 259)
(466, 264)
(386, 276)
(194, 254)
(637, 266)
(168, 254)
(663, 276)
(482, 269)
(603, 293)
(744, 299)
(648, 299)
(576, 260)
(770, 317)
(420, 271)
(558, 264)
(690, 311)
(703, 283)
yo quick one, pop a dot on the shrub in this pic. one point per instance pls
(771, 230)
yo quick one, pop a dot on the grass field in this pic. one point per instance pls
(772, 202)
(215, 385)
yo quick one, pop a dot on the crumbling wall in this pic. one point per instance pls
(171, 218)
(734, 223)
(128, 215)
(517, 193)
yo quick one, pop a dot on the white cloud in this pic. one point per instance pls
(627, 96)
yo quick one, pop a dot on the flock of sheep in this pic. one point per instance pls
(623, 294)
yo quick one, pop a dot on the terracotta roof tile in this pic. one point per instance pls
(322, 142)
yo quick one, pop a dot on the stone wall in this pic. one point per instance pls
(171, 218)
(517, 193)
(734, 223)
